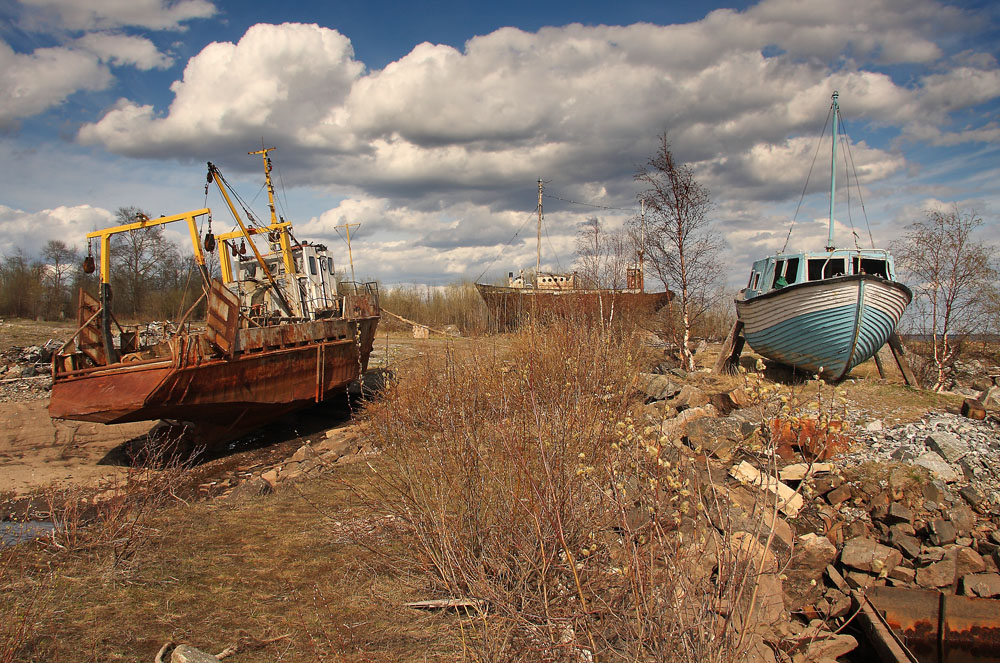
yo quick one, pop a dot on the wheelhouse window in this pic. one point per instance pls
(776, 279)
(792, 270)
(823, 268)
(312, 265)
(756, 280)
(785, 272)
(872, 266)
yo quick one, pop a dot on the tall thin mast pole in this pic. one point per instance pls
(350, 256)
(833, 168)
(538, 245)
(642, 247)
(267, 178)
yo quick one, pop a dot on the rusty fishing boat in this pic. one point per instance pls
(281, 332)
(549, 294)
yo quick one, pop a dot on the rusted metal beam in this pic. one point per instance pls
(881, 637)
(939, 627)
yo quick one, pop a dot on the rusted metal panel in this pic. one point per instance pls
(359, 306)
(941, 628)
(89, 340)
(248, 340)
(104, 396)
(198, 387)
(223, 318)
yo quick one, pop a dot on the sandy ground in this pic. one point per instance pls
(36, 451)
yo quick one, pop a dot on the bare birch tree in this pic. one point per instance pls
(680, 246)
(950, 272)
(602, 256)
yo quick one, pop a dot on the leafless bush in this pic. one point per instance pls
(25, 597)
(113, 524)
(523, 484)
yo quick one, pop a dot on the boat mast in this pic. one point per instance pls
(538, 244)
(283, 238)
(833, 168)
(642, 246)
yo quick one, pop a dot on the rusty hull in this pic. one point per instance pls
(263, 373)
(941, 628)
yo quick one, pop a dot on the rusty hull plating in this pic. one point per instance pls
(941, 628)
(240, 375)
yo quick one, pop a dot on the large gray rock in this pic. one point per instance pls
(188, 654)
(962, 518)
(967, 561)
(657, 387)
(897, 513)
(941, 532)
(937, 466)
(908, 545)
(870, 556)
(947, 445)
(938, 574)
(803, 582)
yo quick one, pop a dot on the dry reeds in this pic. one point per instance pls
(523, 484)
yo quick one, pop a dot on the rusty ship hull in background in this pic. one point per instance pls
(280, 334)
(509, 307)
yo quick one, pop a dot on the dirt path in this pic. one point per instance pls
(36, 451)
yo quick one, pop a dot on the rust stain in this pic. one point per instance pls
(941, 628)
(809, 437)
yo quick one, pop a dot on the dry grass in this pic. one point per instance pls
(520, 481)
(216, 573)
(21, 332)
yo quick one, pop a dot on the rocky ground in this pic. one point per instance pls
(912, 504)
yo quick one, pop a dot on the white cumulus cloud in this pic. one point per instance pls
(119, 49)
(39, 80)
(109, 14)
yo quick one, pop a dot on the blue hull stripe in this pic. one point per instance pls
(825, 339)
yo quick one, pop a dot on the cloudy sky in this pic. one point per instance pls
(429, 123)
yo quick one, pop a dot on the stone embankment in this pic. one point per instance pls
(911, 505)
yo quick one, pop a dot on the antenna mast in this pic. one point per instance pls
(538, 245)
(833, 168)
(350, 256)
(267, 178)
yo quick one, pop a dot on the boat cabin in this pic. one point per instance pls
(544, 281)
(317, 281)
(785, 269)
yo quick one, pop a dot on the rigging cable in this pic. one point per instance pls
(512, 237)
(857, 183)
(577, 202)
(847, 186)
(819, 144)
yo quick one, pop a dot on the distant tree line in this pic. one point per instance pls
(150, 279)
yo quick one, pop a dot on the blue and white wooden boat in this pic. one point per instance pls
(822, 312)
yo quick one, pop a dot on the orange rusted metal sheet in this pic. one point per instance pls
(941, 628)
(223, 317)
(89, 339)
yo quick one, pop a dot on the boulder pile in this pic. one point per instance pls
(913, 505)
